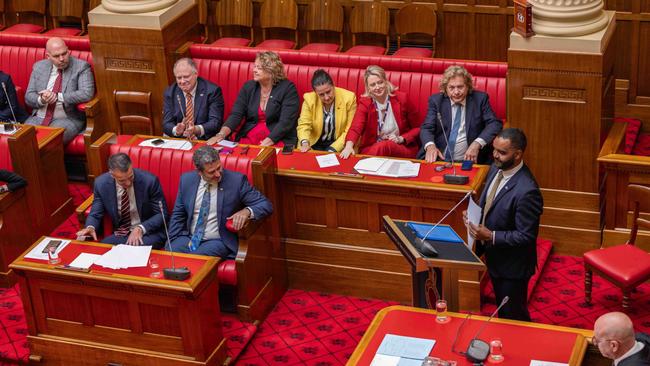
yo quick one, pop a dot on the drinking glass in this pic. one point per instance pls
(431, 361)
(53, 256)
(155, 267)
(441, 310)
(496, 351)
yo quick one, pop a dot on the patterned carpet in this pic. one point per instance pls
(309, 328)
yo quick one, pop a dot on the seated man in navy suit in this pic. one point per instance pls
(206, 199)
(131, 197)
(193, 106)
(469, 122)
(614, 336)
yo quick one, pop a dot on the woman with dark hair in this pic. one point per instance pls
(268, 104)
(326, 115)
(385, 122)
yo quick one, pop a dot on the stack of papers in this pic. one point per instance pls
(388, 167)
(168, 144)
(327, 160)
(85, 260)
(41, 249)
(397, 350)
(125, 256)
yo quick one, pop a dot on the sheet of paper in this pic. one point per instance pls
(403, 361)
(168, 144)
(383, 360)
(473, 216)
(409, 347)
(226, 143)
(125, 256)
(369, 164)
(39, 250)
(84, 260)
(408, 169)
(546, 363)
(327, 160)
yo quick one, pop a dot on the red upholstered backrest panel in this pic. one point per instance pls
(231, 75)
(5, 154)
(631, 133)
(38, 40)
(169, 164)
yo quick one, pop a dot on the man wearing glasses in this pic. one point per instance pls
(615, 339)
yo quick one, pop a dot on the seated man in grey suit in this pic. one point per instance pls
(206, 199)
(56, 85)
(131, 197)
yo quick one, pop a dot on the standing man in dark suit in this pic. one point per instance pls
(206, 199)
(193, 106)
(512, 204)
(615, 339)
(130, 196)
(469, 122)
(56, 86)
(10, 110)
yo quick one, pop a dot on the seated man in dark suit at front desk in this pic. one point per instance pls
(10, 110)
(206, 199)
(12, 181)
(614, 336)
(131, 197)
(193, 106)
(469, 122)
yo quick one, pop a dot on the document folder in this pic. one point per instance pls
(441, 233)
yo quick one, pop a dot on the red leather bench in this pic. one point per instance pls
(419, 78)
(19, 52)
(258, 272)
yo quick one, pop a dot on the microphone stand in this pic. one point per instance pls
(173, 273)
(180, 107)
(451, 178)
(478, 350)
(444, 217)
(10, 127)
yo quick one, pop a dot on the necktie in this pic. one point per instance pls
(328, 126)
(56, 89)
(189, 112)
(453, 135)
(202, 220)
(125, 215)
(491, 194)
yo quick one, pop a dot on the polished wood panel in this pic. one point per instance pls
(369, 17)
(234, 13)
(134, 112)
(324, 15)
(279, 14)
(416, 18)
(67, 10)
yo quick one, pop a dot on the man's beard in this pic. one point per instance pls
(505, 165)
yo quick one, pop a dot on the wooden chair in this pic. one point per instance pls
(324, 15)
(278, 14)
(203, 17)
(238, 13)
(415, 19)
(371, 17)
(28, 6)
(67, 11)
(626, 266)
(134, 112)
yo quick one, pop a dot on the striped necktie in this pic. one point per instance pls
(202, 220)
(189, 112)
(453, 134)
(124, 225)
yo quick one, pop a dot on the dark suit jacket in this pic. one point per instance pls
(641, 358)
(514, 217)
(281, 111)
(480, 121)
(13, 180)
(148, 193)
(208, 108)
(5, 111)
(234, 194)
(365, 122)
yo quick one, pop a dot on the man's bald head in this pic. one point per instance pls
(57, 52)
(613, 334)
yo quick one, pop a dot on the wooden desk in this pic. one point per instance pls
(522, 341)
(332, 225)
(121, 316)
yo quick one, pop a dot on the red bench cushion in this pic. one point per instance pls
(63, 31)
(76, 147)
(321, 47)
(276, 44)
(413, 52)
(24, 28)
(231, 42)
(642, 146)
(625, 264)
(367, 50)
(631, 132)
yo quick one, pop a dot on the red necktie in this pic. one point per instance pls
(56, 89)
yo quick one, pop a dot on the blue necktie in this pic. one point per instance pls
(202, 220)
(453, 135)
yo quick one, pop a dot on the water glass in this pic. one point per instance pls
(53, 256)
(431, 361)
(441, 310)
(496, 351)
(155, 267)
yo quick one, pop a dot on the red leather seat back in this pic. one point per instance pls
(168, 165)
(38, 40)
(5, 154)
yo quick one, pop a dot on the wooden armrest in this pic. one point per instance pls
(83, 207)
(184, 49)
(614, 139)
(249, 230)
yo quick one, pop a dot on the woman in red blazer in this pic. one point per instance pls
(385, 122)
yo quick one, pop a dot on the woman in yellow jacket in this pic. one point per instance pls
(326, 115)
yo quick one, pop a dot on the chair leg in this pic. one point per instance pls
(588, 282)
(626, 299)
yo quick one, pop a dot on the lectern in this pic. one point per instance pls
(458, 267)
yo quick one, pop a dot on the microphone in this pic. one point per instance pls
(9, 127)
(180, 106)
(176, 274)
(426, 248)
(478, 350)
(451, 178)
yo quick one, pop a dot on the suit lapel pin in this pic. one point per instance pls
(201, 94)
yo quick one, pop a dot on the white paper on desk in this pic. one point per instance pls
(473, 216)
(327, 160)
(369, 164)
(125, 256)
(409, 347)
(5, 132)
(546, 363)
(84, 260)
(37, 252)
(384, 360)
(168, 144)
(226, 143)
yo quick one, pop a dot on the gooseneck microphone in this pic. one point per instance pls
(176, 274)
(9, 127)
(451, 178)
(478, 350)
(444, 217)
